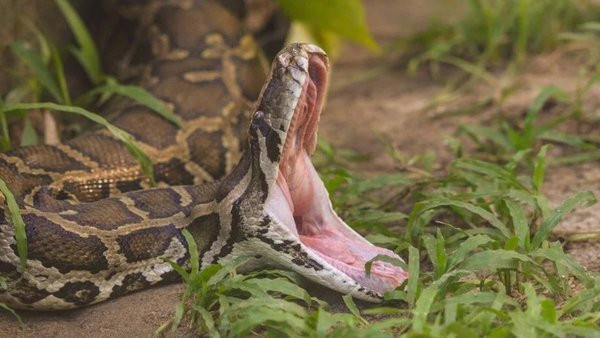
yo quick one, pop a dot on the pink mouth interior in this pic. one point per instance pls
(301, 202)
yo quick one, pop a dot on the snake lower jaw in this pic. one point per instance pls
(300, 202)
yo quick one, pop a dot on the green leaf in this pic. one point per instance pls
(581, 199)
(548, 310)
(479, 132)
(413, 274)
(556, 255)
(423, 304)
(11, 311)
(466, 247)
(580, 302)
(134, 149)
(344, 17)
(193, 250)
(533, 301)
(370, 218)
(17, 221)
(429, 244)
(140, 95)
(208, 321)
(87, 53)
(29, 136)
(539, 168)
(529, 131)
(493, 260)
(440, 252)
(384, 258)
(382, 182)
(511, 244)
(40, 70)
(489, 169)
(179, 312)
(282, 286)
(435, 203)
(5, 140)
(572, 140)
(353, 309)
(586, 156)
(543, 97)
(519, 221)
(179, 269)
(59, 71)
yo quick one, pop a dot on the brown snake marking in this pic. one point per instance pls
(96, 231)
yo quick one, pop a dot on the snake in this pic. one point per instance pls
(236, 174)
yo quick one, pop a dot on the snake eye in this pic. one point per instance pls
(258, 121)
(258, 117)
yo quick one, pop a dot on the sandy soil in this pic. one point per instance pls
(363, 104)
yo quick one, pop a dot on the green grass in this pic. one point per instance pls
(492, 32)
(476, 238)
(481, 262)
(5, 307)
(506, 137)
(491, 41)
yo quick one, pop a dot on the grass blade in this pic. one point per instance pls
(87, 53)
(423, 304)
(17, 220)
(493, 260)
(36, 64)
(140, 95)
(282, 286)
(353, 308)
(466, 247)
(134, 149)
(413, 274)
(582, 199)
(435, 203)
(519, 221)
(556, 255)
(16, 315)
(193, 250)
(539, 168)
(60, 76)
(384, 258)
(29, 136)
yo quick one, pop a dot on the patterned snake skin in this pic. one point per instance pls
(96, 230)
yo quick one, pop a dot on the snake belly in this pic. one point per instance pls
(88, 240)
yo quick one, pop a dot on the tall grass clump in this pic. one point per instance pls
(478, 247)
(492, 32)
(477, 242)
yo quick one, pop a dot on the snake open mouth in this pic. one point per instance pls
(300, 201)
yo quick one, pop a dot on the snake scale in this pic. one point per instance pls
(97, 230)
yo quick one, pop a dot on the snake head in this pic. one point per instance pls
(297, 228)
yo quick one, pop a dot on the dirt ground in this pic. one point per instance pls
(362, 105)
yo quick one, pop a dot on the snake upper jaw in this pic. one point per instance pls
(299, 228)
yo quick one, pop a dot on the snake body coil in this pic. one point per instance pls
(96, 230)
